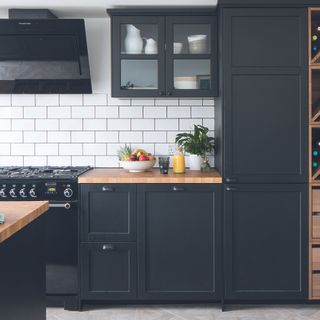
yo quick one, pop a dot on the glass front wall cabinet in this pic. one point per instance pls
(164, 53)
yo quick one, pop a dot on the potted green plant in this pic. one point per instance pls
(197, 144)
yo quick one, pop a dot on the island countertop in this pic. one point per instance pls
(19, 214)
(101, 175)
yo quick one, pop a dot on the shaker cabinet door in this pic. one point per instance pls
(266, 242)
(179, 238)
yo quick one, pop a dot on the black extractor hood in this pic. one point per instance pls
(44, 56)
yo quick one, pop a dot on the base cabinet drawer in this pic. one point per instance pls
(316, 226)
(316, 258)
(108, 271)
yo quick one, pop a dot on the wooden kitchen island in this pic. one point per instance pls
(22, 264)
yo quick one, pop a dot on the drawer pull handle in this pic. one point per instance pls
(178, 188)
(231, 189)
(231, 180)
(108, 247)
(107, 189)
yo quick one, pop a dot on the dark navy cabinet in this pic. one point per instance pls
(164, 52)
(108, 212)
(265, 95)
(179, 242)
(266, 242)
(151, 242)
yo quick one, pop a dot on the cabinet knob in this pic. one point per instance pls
(169, 93)
(107, 189)
(175, 188)
(231, 188)
(161, 93)
(108, 247)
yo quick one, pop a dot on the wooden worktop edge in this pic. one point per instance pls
(15, 224)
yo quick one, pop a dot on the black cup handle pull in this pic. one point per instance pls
(107, 189)
(178, 189)
(108, 247)
(231, 180)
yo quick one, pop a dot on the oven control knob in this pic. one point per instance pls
(12, 193)
(68, 192)
(3, 193)
(32, 193)
(22, 193)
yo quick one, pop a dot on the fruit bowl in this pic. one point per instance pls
(137, 166)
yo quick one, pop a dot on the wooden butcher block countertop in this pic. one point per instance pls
(19, 214)
(153, 176)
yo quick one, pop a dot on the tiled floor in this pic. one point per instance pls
(189, 312)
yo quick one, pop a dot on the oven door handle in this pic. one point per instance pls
(60, 205)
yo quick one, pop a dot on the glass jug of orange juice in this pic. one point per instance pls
(179, 165)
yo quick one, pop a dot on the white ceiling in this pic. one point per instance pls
(92, 8)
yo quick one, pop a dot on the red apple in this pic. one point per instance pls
(144, 158)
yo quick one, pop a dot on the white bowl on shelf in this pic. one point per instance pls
(137, 166)
(177, 47)
(185, 83)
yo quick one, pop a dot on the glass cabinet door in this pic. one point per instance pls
(138, 56)
(191, 56)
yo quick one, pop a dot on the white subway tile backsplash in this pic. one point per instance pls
(178, 112)
(23, 100)
(35, 137)
(82, 136)
(35, 161)
(107, 161)
(71, 124)
(208, 102)
(202, 112)
(130, 112)
(167, 124)
(59, 112)
(11, 136)
(47, 99)
(142, 102)
(46, 149)
(89, 129)
(209, 123)
(11, 160)
(112, 149)
(5, 149)
(155, 137)
(188, 124)
(190, 102)
(118, 102)
(167, 102)
(22, 149)
(59, 136)
(142, 124)
(118, 124)
(95, 99)
(107, 136)
(5, 99)
(71, 100)
(83, 161)
(155, 112)
(20, 124)
(129, 136)
(59, 160)
(94, 124)
(11, 112)
(97, 149)
(163, 149)
(47, 124)
(70, 149)
(107, 112)
(34, 112)
(82, 112)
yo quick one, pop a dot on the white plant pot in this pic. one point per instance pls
(195, 162)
